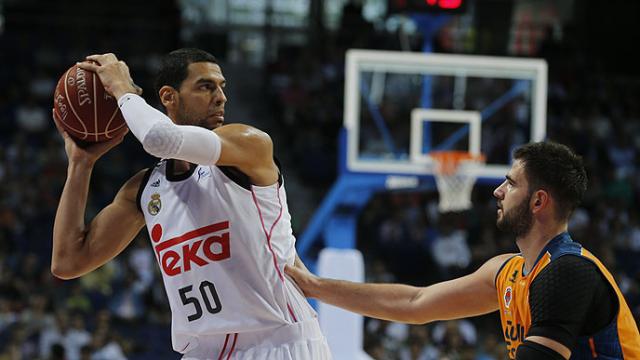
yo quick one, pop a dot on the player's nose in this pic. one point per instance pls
(219, 98)
(498, 193)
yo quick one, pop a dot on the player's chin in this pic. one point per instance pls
(212, 122)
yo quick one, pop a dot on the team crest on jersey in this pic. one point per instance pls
(155, 205)
(508, 296)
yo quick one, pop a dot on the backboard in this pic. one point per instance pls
(399, 106)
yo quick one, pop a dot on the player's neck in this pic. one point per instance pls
(536, 239)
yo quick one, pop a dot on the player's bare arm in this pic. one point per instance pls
(470, 295)
(241, 146)
(250, 150)
(79, 248)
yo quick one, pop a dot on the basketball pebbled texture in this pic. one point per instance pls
(86, 111)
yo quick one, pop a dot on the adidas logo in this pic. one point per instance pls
(155, 183)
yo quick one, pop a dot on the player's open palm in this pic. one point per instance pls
(87, 154)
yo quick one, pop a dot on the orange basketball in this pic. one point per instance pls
(86, 111)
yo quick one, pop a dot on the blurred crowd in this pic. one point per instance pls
(120, 310)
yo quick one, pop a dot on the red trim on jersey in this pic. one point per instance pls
(592, 346)
(224, 347)
(291, 312)
(192, 234)
(268, 234)
(288, 305)
(233, 346)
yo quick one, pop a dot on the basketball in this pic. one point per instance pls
(85, 110)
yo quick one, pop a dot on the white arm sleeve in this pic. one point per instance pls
(162, 138)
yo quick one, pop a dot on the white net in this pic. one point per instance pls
(455, 173)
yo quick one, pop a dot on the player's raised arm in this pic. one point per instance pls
(470, 295)
(242, 146)
(79, 248)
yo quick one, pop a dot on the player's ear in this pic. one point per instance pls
(168, 96)
(539, 200)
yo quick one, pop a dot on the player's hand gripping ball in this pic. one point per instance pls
(86, 111)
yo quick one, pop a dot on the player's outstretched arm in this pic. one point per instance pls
(470, 295)
(80, 248)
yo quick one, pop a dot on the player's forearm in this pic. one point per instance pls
(160, 137)
(394, 302)
(69, 228)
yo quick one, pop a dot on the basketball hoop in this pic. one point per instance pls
(455, 173)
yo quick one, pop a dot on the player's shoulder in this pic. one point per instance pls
(136, 180)
(570, 265)
(131, 187)
(499, 261)
(241, 127)
(247, 134)
(490, 269)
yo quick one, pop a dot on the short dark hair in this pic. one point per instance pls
(173, 69)
(557, 169)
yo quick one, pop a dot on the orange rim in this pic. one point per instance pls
(447, 161)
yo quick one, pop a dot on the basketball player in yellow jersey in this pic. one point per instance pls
(556, 300)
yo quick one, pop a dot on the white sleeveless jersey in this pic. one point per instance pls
(221, 248)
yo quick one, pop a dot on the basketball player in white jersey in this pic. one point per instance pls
(216, 211)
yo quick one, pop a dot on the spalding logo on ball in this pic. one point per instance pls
(86, 111)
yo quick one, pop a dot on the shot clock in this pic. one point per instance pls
(435, 6)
